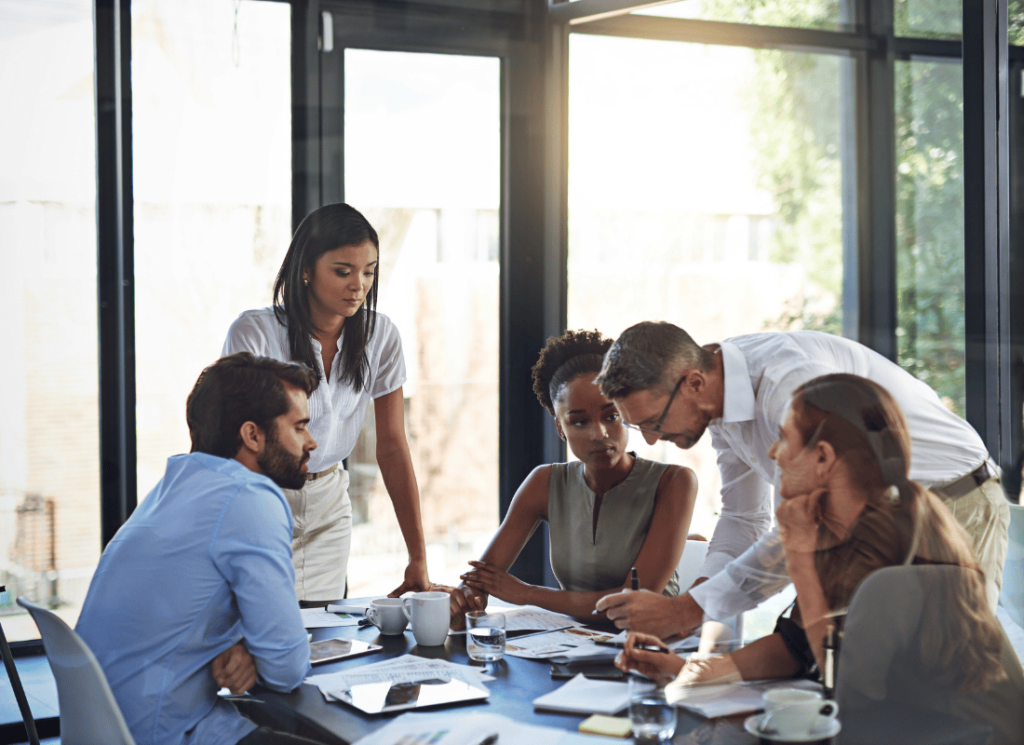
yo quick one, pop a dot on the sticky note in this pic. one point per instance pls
(601, 724)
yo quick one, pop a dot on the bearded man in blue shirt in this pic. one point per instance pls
(195, 591)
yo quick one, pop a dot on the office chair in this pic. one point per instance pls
(19, 691)
(89, 715)
(887, 693)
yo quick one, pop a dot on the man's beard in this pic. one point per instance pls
(280, 466)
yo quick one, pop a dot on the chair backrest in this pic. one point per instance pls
(694, 553)
(89, 715)
(886, 691)
(689, 563)
(1011, 597)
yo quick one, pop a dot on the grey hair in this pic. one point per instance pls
(642, 356)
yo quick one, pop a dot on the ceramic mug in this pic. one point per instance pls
(429, 614)
(800, 720)
(388, 615)
(778, 697)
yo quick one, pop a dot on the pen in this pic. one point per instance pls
(489, 740)
(634, 579)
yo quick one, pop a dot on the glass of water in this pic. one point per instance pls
(652, 716)
(485, 635)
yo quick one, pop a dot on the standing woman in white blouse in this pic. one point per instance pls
(324, 316)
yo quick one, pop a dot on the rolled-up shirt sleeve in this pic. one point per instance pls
(252, 549)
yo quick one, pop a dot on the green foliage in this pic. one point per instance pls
(930, 225)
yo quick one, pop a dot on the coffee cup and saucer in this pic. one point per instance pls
(793, 715)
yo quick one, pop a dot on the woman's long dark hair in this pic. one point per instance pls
(324, 229)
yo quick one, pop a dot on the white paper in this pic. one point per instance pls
(569, 642)
(355, 607)
(405, 669)
(317, 618)
(468, 729)
(585, 696)
(713, 700)
(531, 618)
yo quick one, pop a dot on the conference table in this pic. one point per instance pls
(517, 682)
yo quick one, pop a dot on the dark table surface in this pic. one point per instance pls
(517, 683)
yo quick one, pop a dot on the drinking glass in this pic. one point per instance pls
(485, 635)
(652, 716)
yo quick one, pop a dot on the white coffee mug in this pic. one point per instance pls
(430, 616)
(388, 615)
(778, 697)
(800, 720)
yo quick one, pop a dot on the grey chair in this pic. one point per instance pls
(887, 691)
(89, 714)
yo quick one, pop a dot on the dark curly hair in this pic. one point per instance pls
(565, 358)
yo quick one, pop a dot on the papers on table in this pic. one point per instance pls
(470, 729)
(405, 669)
(532, 618)
(585, 696)
(355, 606)
(565, 643)
(318, 618)
(727, 699)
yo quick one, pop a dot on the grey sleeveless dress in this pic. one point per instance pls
(584, 561)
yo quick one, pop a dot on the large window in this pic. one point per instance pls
(422, 160)
(212, 169)
(930, 226)
(49, 418)
(705, 190)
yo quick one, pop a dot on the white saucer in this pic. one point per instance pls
(752, 725)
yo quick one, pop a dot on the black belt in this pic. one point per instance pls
(965, 484)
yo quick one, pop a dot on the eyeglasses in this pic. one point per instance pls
(656, 429)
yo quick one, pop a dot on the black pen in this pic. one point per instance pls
(634, 579)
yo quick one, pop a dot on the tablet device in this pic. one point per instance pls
(338, 649)
(379, 698)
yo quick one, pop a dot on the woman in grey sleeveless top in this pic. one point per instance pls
(607, 512)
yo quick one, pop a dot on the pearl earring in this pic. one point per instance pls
(305, 281)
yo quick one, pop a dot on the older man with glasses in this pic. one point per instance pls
(667, 387)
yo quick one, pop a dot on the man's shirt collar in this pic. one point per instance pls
(738, 397)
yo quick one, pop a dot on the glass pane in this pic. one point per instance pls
(1015, 32)
(831, 15)
(49, 419)
(211, 88)
(931, 19)
(930, 226)
(422, 161)
(704, 189)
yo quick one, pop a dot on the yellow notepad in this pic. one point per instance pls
(601, 724)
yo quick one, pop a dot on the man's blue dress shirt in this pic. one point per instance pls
(203, 562)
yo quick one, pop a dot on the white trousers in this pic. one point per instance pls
(322, 536)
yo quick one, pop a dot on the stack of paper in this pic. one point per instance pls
(405, 669)
(318, 618)
(469, 729)
(585, 696)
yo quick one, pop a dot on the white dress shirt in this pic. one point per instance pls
(336, 410)
(746, 561)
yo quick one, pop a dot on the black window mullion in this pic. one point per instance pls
(986, 223)
(115, 264)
